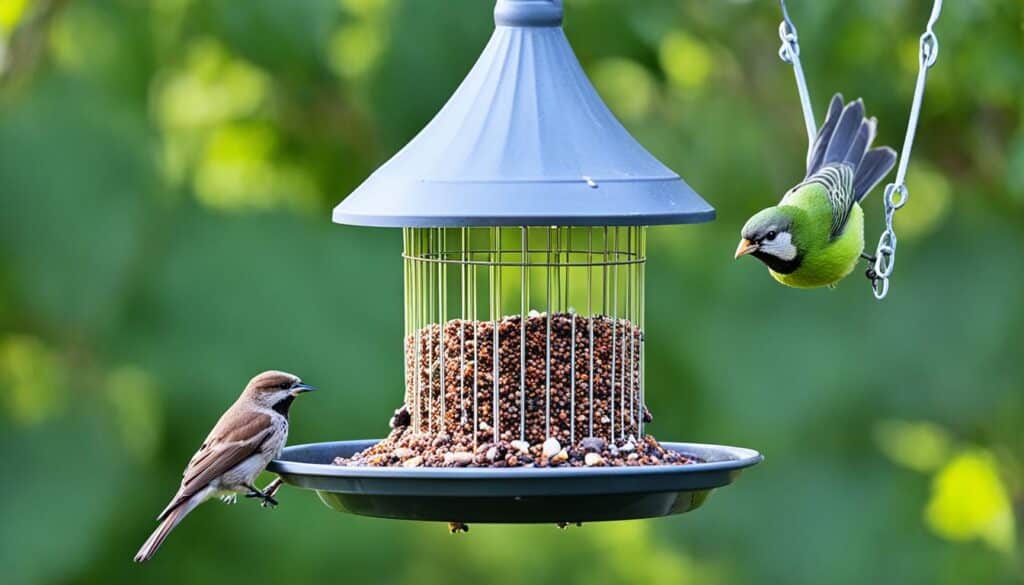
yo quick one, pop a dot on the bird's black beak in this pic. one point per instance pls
(301, 388)
(745, 247)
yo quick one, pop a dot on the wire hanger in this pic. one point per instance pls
(896, 193)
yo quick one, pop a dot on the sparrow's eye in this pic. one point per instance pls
(770, 236)
(286, 385)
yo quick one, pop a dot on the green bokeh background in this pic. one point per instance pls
(167, 170)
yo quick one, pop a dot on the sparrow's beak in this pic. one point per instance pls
(301, 388)
(745, 247)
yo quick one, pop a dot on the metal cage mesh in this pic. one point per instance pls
(525, 333)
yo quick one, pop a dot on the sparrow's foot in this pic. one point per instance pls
(564, 525)
(267, 499)
(272, 487)
(457, 527)
(229, 498)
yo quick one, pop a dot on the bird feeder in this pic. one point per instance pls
(524, 207)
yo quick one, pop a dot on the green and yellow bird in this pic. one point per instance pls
(815, 235)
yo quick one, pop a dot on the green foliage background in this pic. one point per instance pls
(167, 169)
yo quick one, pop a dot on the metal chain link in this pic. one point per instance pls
(789, 52)
(896, 193)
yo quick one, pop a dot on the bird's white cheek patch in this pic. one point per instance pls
(781, 247)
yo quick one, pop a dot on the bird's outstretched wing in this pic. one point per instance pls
(237, 436)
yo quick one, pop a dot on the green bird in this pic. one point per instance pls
(815, 235)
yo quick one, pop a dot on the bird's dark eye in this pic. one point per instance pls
(286, 385)
(770, 236)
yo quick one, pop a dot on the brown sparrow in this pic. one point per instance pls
(246, 438)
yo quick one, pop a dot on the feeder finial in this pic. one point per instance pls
(528, 13)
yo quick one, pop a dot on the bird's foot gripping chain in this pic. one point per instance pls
(266, 497)
(229, 499)
(870, 272)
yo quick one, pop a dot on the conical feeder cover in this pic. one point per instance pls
(525, 140)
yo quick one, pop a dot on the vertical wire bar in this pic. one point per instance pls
(524, 301)
(418, 291)
(622, 386)
(476, 344)
(643, 323)
(558, 272)
(547, 349)
(615, 322)
(431, 248)
(572, 346)
(463, 304)
(635, 248)
(566, 266)
(622, 393)
(622, 253)
(496, 305)
(590, 318)
(572, 379)
(627, 334)
(407, 381)
(631, 295)
(442, 309)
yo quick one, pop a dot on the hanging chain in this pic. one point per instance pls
(896, 193)
(789, 52)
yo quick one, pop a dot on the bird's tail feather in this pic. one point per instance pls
(876, 165)
(171, 519)
(845, 138)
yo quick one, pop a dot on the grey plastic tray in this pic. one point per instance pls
(511, 496)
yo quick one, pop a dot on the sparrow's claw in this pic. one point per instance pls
(266, 497)
(272, 487)
(229, 498)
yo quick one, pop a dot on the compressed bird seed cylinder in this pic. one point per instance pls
(551, 372)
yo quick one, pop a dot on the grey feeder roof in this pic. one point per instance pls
(525, 140)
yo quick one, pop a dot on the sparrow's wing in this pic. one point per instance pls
(237, 436)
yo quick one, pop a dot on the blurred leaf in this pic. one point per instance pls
(134, 403)
(11, 13)
(920, 446)
(356, 48)
(240, 169)
(687, 62)
(969, 501)
(34, 378)
(287, 38)
(930, 203)
(628, 88)
(210, 88)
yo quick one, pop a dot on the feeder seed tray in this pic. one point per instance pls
(511, 496)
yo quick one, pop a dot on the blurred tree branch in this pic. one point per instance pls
(27, 41)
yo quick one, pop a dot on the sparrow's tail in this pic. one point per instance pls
(164, 529)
